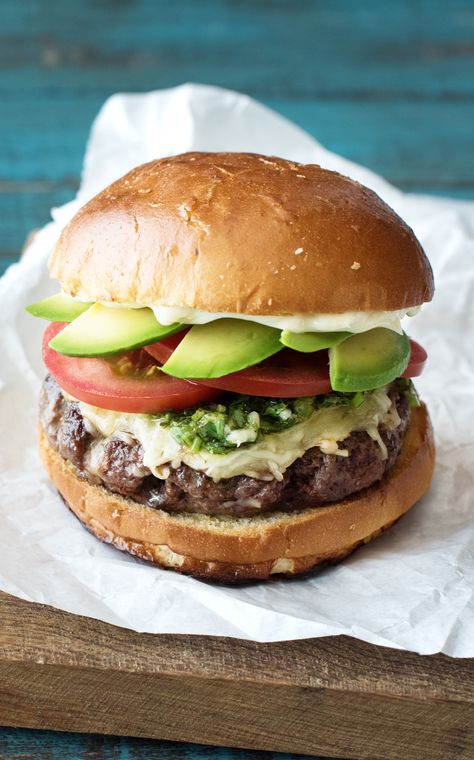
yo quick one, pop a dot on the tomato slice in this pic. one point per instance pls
(418, 357)
(281, 376)
(287, 374)
(109, 384)
(162, 350)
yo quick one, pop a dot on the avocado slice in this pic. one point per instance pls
(104, 330)
(58, 308)
(368, 360)
(221, 347)
(307, 342)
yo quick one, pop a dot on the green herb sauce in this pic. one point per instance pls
(244, 420)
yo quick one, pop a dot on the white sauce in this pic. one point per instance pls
(351, 321)
(266, 459)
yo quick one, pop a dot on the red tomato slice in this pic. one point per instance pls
(98, 382)
(162, 350)
(281, 376)
(418, 357)
(285, 375)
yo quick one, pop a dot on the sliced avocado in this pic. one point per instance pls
(220, 347)
(58, 308)
(307, 342)
(368, 360)
(104, 330)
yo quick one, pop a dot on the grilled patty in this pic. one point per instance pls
(312, 480)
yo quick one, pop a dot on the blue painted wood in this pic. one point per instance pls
(388, 84)
(49, 745)
(307, 47)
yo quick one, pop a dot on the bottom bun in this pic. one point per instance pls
(231, 549)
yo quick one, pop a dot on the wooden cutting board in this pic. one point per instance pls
(333, 696)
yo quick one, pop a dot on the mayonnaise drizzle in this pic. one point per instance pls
(352, 321)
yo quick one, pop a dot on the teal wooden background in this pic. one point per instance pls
(387, 84)
(17, 744)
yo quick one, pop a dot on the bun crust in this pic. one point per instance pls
(254, 548)
(242, 233)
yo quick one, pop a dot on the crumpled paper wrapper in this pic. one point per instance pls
(412, 588)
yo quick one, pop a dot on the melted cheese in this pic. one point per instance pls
(265, 459)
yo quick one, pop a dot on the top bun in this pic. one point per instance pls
(243, 234)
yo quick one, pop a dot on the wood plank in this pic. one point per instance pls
(24, 744)
(320, 696)
(296, 47)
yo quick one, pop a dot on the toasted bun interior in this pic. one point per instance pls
(232, 549)
(242, 233)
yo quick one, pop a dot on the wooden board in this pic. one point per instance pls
(334, 696)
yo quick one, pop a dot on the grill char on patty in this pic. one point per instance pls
(312, 480)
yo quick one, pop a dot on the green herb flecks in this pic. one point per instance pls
(243, 420)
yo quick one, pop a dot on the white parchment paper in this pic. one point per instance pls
(410, 589)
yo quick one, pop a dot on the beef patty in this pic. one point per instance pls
(312, 480)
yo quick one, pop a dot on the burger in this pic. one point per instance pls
(229, 389)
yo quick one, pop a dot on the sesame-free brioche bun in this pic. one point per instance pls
(237, 549)
(242, 233)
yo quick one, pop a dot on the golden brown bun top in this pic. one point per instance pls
(242, 233)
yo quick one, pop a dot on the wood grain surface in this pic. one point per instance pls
(388, 83)
(23, 744)
(334, 696)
